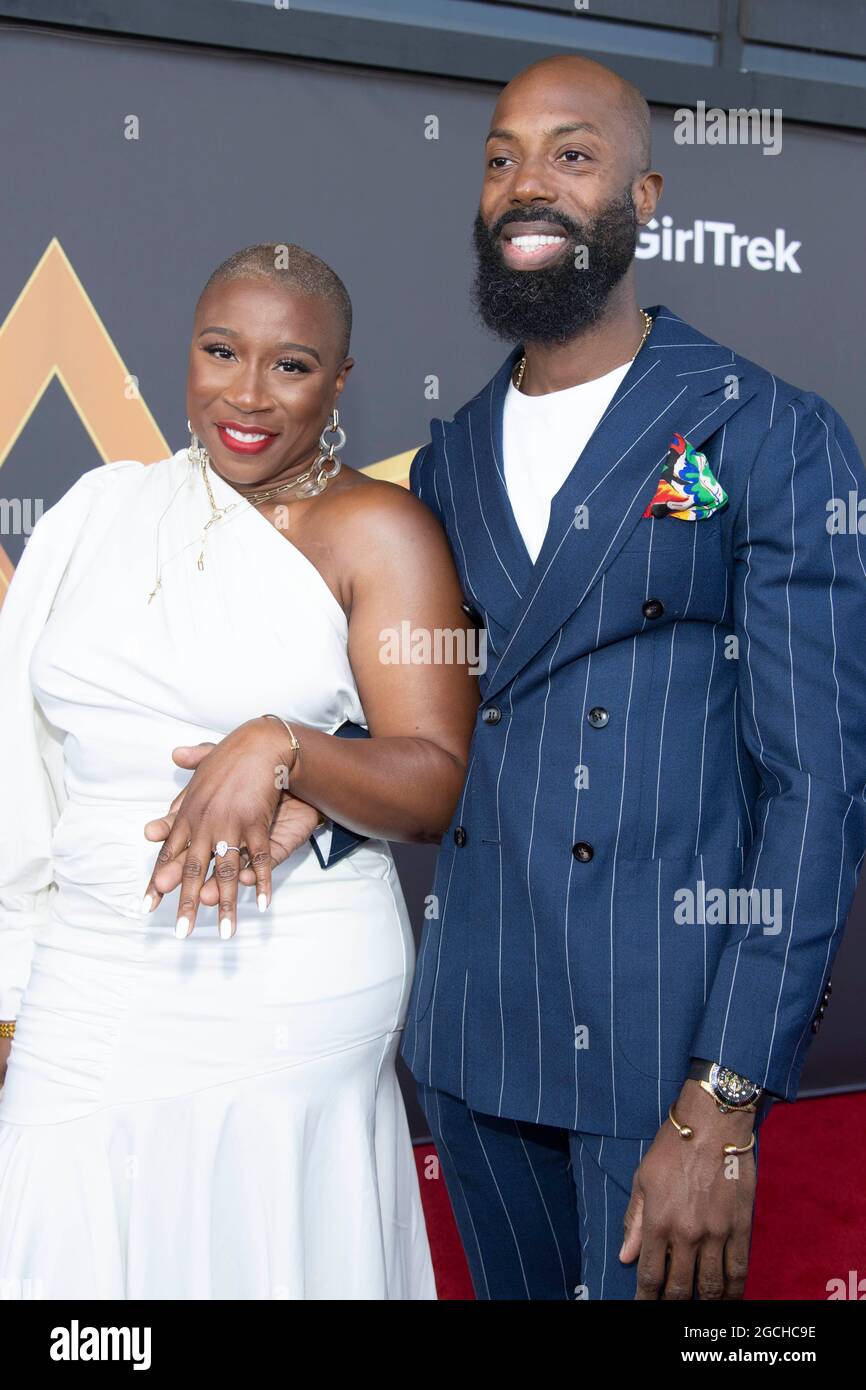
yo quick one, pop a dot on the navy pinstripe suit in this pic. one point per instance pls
(555, 985)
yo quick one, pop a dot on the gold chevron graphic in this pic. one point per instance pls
(54, 330)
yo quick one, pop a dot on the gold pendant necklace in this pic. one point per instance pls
(195, 454)
(217, 513)
(310, 483)
(521, 366)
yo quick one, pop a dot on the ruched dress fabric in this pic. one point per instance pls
(196, 1119)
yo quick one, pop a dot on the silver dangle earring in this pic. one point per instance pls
(327, 465)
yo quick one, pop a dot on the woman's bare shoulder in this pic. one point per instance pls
(387, 538)
(373, 505)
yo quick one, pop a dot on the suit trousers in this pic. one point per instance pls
(539, 1209)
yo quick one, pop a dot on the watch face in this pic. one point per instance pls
(732, 1088)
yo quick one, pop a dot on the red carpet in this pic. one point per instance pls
(810, 1216)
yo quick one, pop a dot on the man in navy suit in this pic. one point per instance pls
(640, 896)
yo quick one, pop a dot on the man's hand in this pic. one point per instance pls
(691, 1205)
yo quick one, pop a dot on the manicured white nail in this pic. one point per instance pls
(225, 927)
(262, 901)
(181, 928)
(146, 903)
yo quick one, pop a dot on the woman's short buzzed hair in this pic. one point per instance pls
(285, 264)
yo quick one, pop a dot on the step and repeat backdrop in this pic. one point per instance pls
(131, 169)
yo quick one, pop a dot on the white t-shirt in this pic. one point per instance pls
(542, 439)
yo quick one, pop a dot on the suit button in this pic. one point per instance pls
(582, 851)
(460, 837)
(492, 714)
(816, 1024)
(653, 608)
(472, 613)
(598, 717)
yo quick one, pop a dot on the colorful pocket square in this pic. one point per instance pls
(686, 487)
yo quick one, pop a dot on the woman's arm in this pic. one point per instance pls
(408, 645)
(411, 651)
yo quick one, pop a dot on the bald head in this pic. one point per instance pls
(599, 91)
(289, 267)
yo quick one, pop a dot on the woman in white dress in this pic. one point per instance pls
(193, 1111)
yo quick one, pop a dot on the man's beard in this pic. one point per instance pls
(553, 303)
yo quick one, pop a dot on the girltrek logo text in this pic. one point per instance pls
(717, 243)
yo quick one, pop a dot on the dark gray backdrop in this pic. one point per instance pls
(236, 149)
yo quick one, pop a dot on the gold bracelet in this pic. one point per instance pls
(747, 1148)
(7, 1029)
(685, 1132)
(295, 746)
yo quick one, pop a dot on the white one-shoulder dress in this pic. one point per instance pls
(198, 1119)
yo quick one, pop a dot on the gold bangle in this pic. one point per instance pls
(685, 1132)
(746, 1148)
(7, 1029)
(295, 746)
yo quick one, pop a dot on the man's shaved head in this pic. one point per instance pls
(627, 105)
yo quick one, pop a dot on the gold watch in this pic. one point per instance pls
(728, 1088)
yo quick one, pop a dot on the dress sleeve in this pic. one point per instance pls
(31, 752)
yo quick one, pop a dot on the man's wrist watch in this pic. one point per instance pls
(728, 1089)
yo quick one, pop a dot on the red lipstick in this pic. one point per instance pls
(254, 441)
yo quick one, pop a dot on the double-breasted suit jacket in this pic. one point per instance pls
(663, 819)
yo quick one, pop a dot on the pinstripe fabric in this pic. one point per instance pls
(564, 992)
(540, 1210)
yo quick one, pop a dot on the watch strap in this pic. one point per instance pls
(699, 1069)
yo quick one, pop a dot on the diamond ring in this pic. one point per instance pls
(221, 848)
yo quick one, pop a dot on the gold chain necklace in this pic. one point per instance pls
(216, 512)
(521, 366)
(196, 453)
(325, 467)
(322, 476)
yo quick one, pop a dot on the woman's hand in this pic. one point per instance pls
(5, 1049)
(236, 793)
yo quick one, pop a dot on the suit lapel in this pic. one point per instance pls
(484, 534)
(675, 384)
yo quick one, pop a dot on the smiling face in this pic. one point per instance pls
(565, 169)
(265, 370)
